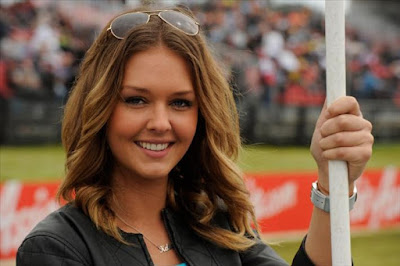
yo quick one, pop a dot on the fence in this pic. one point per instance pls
(31, 121)
(38, 121)
(285, 124)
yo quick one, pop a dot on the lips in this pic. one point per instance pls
(153, 146)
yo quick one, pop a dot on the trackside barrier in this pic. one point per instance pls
(281, 202)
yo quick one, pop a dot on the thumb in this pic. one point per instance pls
(323, 116)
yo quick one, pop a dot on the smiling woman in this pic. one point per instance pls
(151, 136)
(153, 124)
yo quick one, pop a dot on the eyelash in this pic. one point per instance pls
(134, 100)
(177, 103)
(182, 103)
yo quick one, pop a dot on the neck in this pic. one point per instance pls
(139, 201)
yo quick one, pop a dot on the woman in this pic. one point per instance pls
(151, 135)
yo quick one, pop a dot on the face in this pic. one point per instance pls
(154, 123)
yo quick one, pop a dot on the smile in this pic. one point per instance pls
(153, 146)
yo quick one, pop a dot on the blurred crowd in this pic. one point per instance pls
(289, 49)
(270, 55)
(40, 51)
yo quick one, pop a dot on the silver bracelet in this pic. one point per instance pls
(321, 201)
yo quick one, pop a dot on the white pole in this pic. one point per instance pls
(338, 174)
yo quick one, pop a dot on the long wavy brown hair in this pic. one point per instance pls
(205, 179)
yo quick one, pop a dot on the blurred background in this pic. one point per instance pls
(272, 52)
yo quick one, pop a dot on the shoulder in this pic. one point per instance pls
(64, 223)
(57, 238)
(259, 254)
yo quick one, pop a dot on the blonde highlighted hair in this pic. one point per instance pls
(206, 176)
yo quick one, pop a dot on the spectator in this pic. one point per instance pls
(43, 42)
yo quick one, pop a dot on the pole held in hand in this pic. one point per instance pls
(338, 173)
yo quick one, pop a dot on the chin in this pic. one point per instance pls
(154, 175)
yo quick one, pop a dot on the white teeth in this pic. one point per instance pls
(153, 147)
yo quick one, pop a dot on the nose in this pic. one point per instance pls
(159, 120)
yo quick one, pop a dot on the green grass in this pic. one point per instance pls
(35, 163)
(44, 163)
(262, 158)
(368, 249)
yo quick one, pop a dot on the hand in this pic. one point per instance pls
(341, 133)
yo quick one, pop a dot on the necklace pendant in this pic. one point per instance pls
(164, 248)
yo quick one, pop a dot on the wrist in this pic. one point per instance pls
(352, 189)
(322, 201)
(324, 189)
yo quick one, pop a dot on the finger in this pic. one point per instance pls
(344, 105)
(354, 155)
(344, 122)
(346, 139)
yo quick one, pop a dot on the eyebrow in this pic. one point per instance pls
(147, 91)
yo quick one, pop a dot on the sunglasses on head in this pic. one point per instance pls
(122, 24)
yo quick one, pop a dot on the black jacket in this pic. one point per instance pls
(68, 237)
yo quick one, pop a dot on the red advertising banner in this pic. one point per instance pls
(22, 206)
(281, 200)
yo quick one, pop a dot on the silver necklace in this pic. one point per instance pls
(162, 248)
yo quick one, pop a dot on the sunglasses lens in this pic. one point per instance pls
(124, 23)
(180, 21)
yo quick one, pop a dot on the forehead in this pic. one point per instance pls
(158, 67)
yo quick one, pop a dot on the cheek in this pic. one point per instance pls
(120, 124)
(112, 133)
(185, 127)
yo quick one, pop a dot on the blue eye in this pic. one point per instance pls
(181, 103)
(134, 100)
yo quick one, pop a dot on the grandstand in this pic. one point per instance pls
(274, 56)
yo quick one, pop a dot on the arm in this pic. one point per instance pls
(341, 133)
